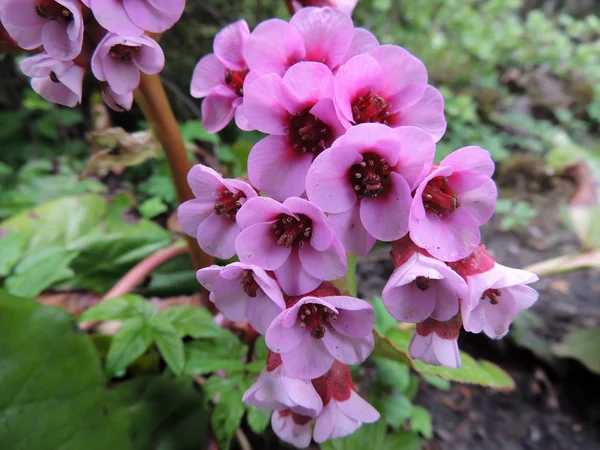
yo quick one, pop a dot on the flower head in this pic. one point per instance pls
(292, 427)
(452, 202)
(436, 343)
(346, 6)
(56, 81)
(365, 179)
(221, 77)
(243, 292)
(297, 112)
(389, 86)
(293, 239)
(57, 25)
(313, 332)
(210, 217)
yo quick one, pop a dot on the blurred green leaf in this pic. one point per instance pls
(203, 357)
(192, 321)
(169, 343)
(395, 409)
(436, 381)
(194, 130)
(227, 416)
(258, 419)
(217, 385)
(153, 207)
(420, 421)
(130, 342)
(119, 308)
(383, 320)
(175, 277)
(11, 249)
(392, 373)
(582, 345)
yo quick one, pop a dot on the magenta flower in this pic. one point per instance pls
(243, 292)
(314, 332)
(365, 179)
(389, 86)
(118, 60)
(298, 114)
(313, 34)
(133, 17)
(436, 343)
(292, 428)
(56, 81)
(452, 202)
(344, 410)
(423, 287)
(221, 77)
(275, 390)
(292, 239)
(210, 217)
(116, 101)
(55, 25)
(346, 6)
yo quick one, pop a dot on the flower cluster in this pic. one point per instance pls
(73, 36)
(348, 159)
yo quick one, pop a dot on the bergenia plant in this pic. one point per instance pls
(347, 161)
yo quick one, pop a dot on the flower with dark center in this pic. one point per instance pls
(422, 283)
(492, 295)
(436, 342)
(292, 427)
(228, 203)
(439, 198)
(235, 80)
(249, 283)
(371, 176)
(309, 134)
(370, 108)
(49, 9)
(123, 53)
(291, 231)
(314, 318)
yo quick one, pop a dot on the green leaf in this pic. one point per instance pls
(193, 130)
(392, 373)
(218, 385)
(403, 440)
(164, 413)
(11, 249)
(385, 348)
(203, 357)
(131, 341)
(420, 421)
(227, 416)
(191, 321)
(582, 345)
(258, 419)
(395, 409)
(368, 436)
(119, 308)
(175, 277)
(436, 381)
(169, 343)
(153, 207)
(51, 373)
(383, 319)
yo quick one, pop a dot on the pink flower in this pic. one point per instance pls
(221, 77)
(313, 34)
(292, 239)
(313, 332)
(55, 25)
(56, 81)
(452, 202)
(389, 86)
(133, 17)
(118, 60)
(346, 6)
(365, 179)
(496, 294)
(344, 410)
(116, 101)
(436, 343)
(292, 428)
(243, 292)
(298, 114)
(210, 217)
(275, 390)
(423, 287)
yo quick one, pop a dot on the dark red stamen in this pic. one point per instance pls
(370, 108)
(422, 283)
(308, 134)
(439, 198)
(315, 317)
(49, 9)
(228, 203)
(290, 231)
(123, 53)
(248, 283)
(371, 176)
(235, 80)
(493, 295)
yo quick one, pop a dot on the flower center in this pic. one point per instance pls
(248, 283)
(235, 80)
(370, 108)
(297, 418)
(123, 53)
(371, 176)
(439, 198)
(228, 203)
(290, 231)
(314, 317)
(54, 78)
(422, 283)
(308, 134)
(493, 295)
(49, 9)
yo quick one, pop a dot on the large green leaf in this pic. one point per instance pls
(203, 357)
(583, 345)
(52, 394)
(192, 321)
(131, 341)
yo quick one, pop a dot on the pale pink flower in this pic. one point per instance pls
(133, 17)
(293, 239)
(389, 86)
(118, 60)
(57, 81)
(496, 294)
(243, 292)
(221, 78)
(365, 181)
(436, 343)
(344, 411)
(57, 25)
(116, 102)
(292, 428)
(210, 217)
(346, 6)
(452, 202)
(297, 112)
(275, 390)
(314, 332)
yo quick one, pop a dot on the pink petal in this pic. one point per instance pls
(446, 351)
(229, 44)
(261, 311)
(291, 432)
(294, 278)
(356, 317)
(419, 345)
(371, 138)
(57, 43)
(304, 84)
(332, 423)
(402, 68)
(122, 77)
(322, 235)
(192, 213)
(324, 110)
(241, 120)
(150, 58)
(359, 409)
(229, 298)
(303, 394)
(470, 159)
(208, 73)
(217, 111)
(329, 264)
(427, 113)
(54, 92)
(208, 276)
(257, 245)
(262, 106)
(260, 210)
(416, 155)
(348, 350)
(111, 14)
(363, 41)
(480, 202)
(349, 228)
(281, 339)
(204, 182)
(308, 360)
(21, 14)
(153, 16)
(217, 236)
